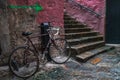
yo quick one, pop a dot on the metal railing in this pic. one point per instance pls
(85, 8)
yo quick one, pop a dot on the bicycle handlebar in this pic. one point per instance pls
(54, 29)
(57, 29)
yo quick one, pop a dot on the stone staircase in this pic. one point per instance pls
(85, 43)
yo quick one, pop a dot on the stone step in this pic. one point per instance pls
(89, 54)
(85, 40)
(87, 46)
(68, 18)
(75, 30)
(70, 22)
(65, 15)
(80, 34)
(74, 26)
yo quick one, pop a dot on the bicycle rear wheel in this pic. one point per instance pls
(60, 51)
(23, 62)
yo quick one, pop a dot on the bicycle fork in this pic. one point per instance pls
(45, 51)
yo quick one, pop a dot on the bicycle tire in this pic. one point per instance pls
(31, 57)
(60, 51)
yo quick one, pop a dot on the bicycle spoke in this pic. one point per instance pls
(23, 63)
(59, 51)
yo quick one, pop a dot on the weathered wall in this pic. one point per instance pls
(15, 21)
(53, 10)
(86, 17)
(4, 32)
(23, 21)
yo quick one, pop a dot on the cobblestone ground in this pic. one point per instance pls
(108, 68)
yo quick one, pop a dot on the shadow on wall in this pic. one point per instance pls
(2, 4)
(0, 50)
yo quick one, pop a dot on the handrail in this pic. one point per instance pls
(85, 8)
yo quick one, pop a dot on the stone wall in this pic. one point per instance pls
(84, 16)
(15, 21)
(4, 32)
(53, 10)
(28, 20)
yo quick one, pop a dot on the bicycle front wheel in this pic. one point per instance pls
(23, 62)
(60, 51)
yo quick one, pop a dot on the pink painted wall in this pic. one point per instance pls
(53, 10)
(86, 17)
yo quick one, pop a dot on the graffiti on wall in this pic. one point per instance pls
(36, 7)
(52, 12)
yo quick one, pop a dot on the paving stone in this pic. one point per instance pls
(116, 70)
(106, 79)
(72, 65)
(104, 75)
(4, 71)
(118, 64)
(107, 69)
(104, 65)
(113, 60)
(103, 69)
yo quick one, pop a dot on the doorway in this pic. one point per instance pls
(112, 32)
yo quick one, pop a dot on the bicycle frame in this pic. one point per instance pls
(34, 58)
(51, 40)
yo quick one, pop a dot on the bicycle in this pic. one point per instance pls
(24, 61)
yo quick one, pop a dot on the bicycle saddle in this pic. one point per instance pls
(26, 33)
